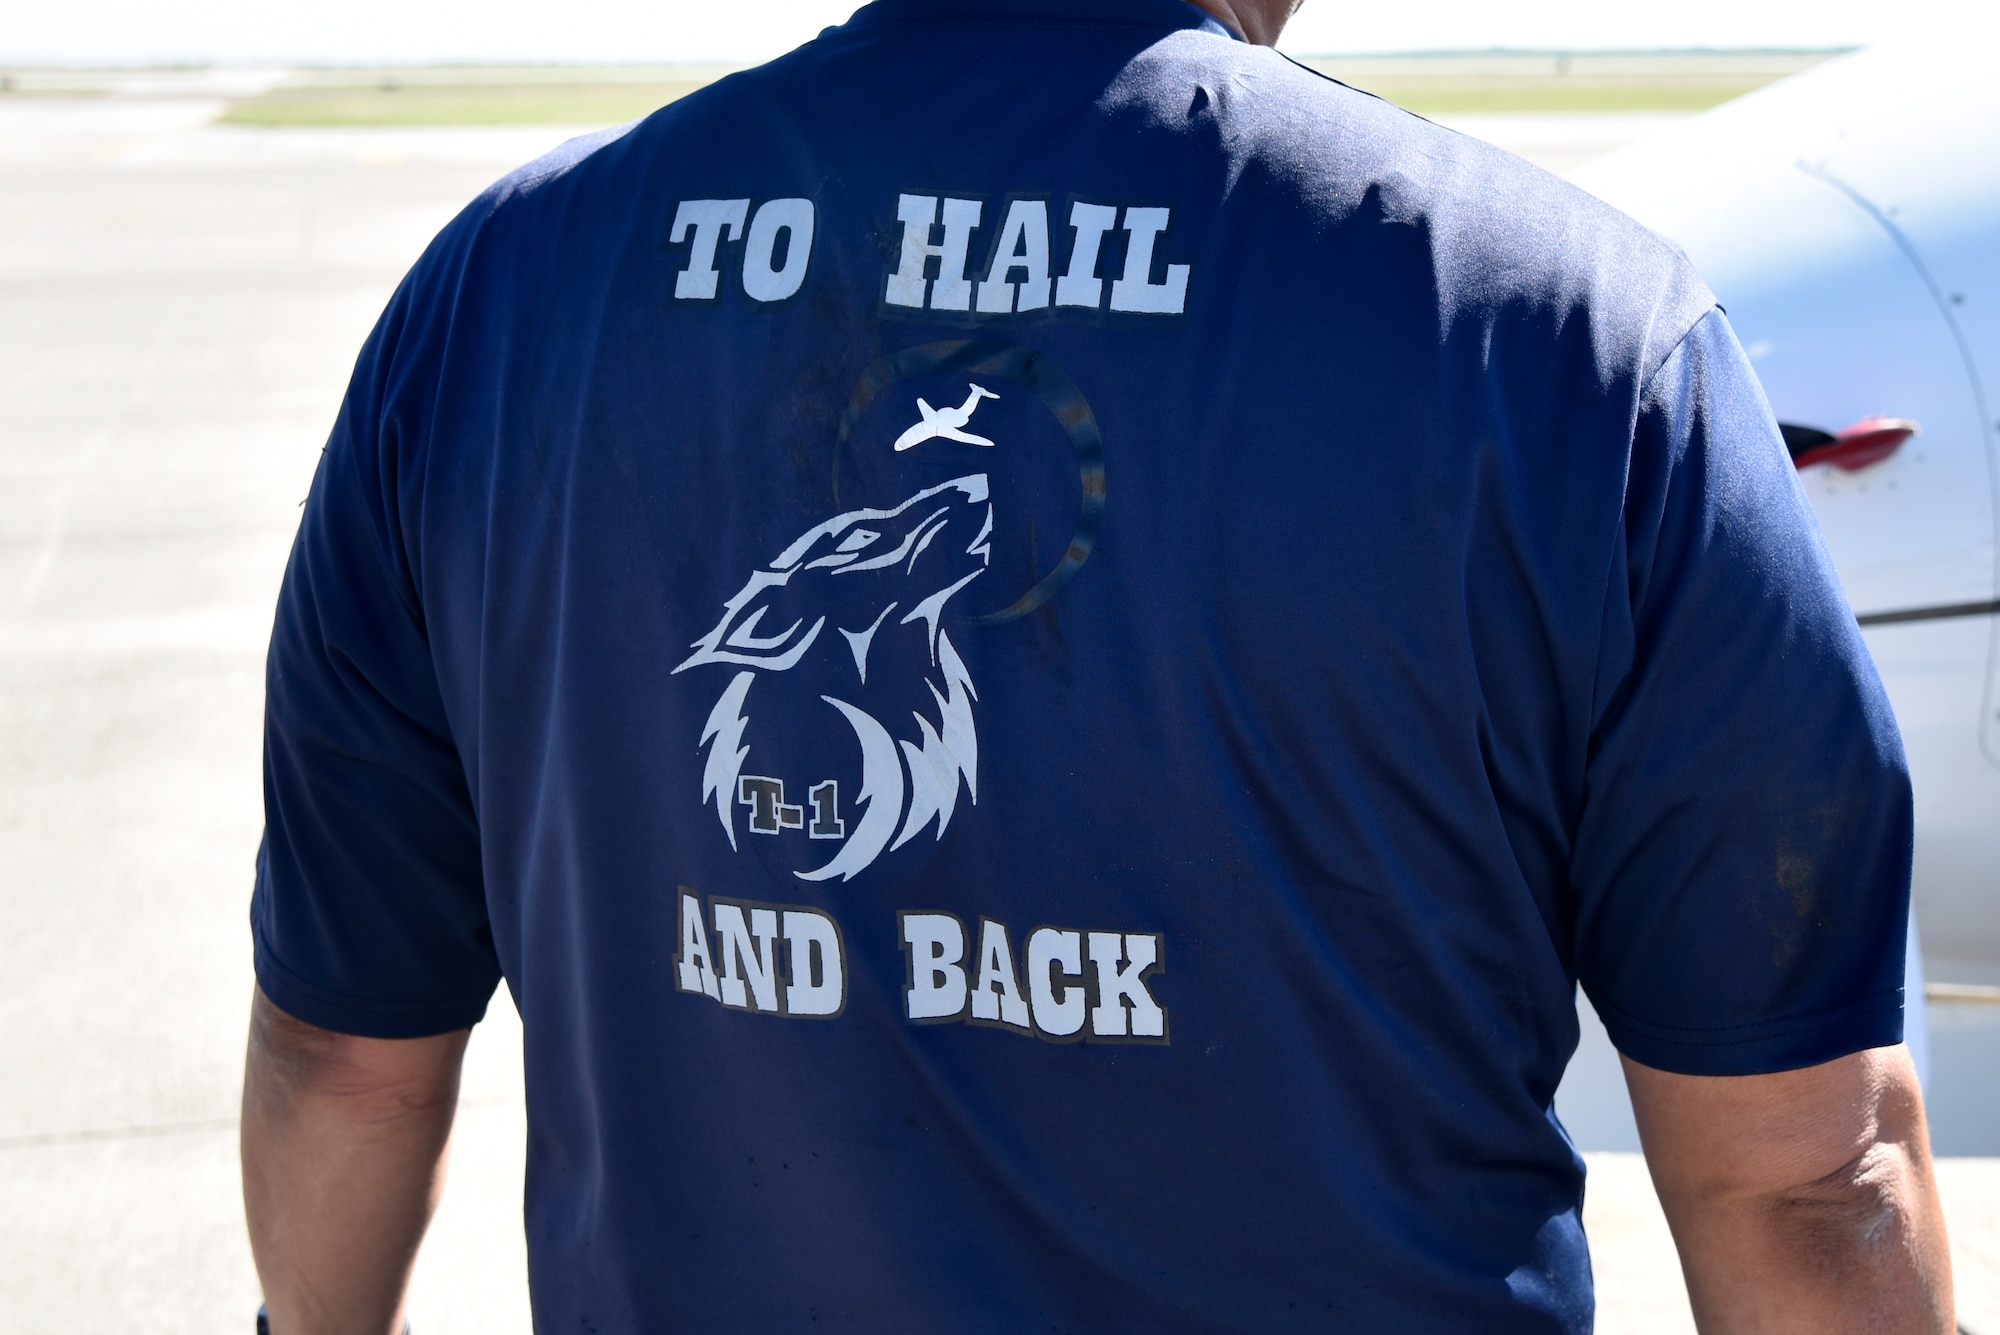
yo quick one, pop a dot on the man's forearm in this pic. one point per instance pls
(343, 1158)
(1802, 1201)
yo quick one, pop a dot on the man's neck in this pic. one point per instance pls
(1258, 21)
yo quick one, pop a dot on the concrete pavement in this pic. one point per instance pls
(178, 312)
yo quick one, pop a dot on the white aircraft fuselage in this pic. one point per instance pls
(1849, 221)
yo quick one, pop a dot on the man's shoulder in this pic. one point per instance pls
(1313, 153)
(1331, 140)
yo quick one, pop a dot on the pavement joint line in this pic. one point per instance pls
(96, 1135)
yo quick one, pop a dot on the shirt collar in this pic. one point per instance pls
(1168, 14)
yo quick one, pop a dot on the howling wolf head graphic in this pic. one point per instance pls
(880, 579)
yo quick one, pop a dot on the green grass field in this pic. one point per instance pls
(577, 103)
(1446, 84)
(1527, 81)
(1447, 95)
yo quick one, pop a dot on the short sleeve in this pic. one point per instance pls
(1742, 860)
(369, 914)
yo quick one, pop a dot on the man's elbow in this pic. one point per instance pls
(364, 1081)
(1863, 1203)
(1858, 1211)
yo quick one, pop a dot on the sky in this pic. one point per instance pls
(351, 31)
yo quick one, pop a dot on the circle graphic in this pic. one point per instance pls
(1058, 393)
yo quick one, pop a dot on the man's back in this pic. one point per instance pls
(1041, 645)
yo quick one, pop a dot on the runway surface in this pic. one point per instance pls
(179, 307)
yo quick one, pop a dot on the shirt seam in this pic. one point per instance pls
(1323, 76)
(1624, 495)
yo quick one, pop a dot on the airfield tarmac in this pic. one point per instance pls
(180, 302)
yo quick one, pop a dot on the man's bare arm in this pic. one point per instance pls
(1801, 1201)
(344, 1143)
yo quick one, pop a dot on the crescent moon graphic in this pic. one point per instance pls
(1058, 393)
(881, 789)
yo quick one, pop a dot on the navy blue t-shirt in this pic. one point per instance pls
(1042, 645)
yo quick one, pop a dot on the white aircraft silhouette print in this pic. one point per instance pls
(946, 423)
(910, 560)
